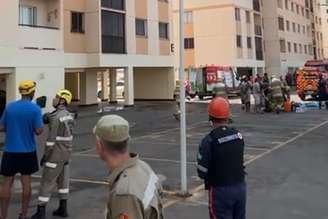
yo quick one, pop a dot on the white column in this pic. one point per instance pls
(104, 86)
(88, 87)
(129, 86)
(113, 90)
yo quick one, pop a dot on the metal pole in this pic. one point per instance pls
(184, 189)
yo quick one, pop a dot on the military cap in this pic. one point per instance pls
(112, 128)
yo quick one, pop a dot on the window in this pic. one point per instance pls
(248, 16)
(294, 27)
(113, 32)
(77, 22)
(239, 42)
(305, 49)
(114, 4)
(292, 6)
(249, 42)
(298, 28)
(237, 14)
(280, 5)
(188, 17)
(303, 11)
(282, 46)
(297, 9)
(163, 30)
(289, 47)
(300, 48)
(320, 22)
(310, 50)
(307, 14)
(287, 25)
(281, 23)
(141, 27)
(304, 29)
(295, 47)
(27, 15)
(189, 43)
(287, 4)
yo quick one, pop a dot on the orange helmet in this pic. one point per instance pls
(219, 108)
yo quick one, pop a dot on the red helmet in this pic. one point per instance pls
(219, 108)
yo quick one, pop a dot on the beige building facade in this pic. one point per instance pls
(324, 17)
(87, 46)
(253, 36)
(227, 32)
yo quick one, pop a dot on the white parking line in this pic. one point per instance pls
(198, 190)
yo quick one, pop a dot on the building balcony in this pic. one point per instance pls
(256, 5)
(40, 24)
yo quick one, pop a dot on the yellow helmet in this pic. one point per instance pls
(27, 87)
(66, 95)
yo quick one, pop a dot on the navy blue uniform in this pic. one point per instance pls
(221, 166)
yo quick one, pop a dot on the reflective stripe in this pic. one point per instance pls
(202, 169)
(65, 118)
(51, 165)
(230, 138)
(50, 144)
(199, 156)
(63, 191)
(43, 199)
(150, 190)
(59, 138)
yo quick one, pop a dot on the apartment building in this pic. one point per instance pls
(79, 44)
(323, 4)
(225, 33)
(292, 32)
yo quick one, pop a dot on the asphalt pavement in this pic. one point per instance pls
(286, 157)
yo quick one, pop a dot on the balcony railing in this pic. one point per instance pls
(40, 37)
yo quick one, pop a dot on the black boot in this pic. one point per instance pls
(40, 213)
(62, 210)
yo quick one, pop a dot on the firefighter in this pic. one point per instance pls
(177, 112)
(285, 89)
(55, 161)
(245, 93)
(322, 94)
(277, 95)
(134, 189)
(221, 164)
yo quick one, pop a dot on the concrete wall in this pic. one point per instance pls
(153, 83)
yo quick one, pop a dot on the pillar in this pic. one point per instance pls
(104, 86)
(128, 86)
(72, 84)
(88, 87)
(113, 80)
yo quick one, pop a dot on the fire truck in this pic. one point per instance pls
(307, 78)
(205, 81)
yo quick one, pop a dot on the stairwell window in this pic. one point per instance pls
(27, 15)
(189, 43)
(77, 22)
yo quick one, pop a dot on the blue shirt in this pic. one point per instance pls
(20, 120)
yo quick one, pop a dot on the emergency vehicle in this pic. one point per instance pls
(205, 81)
(307, 78)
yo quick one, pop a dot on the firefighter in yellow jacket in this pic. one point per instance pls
(57, 154)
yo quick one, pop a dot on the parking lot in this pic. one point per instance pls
(155, 137)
